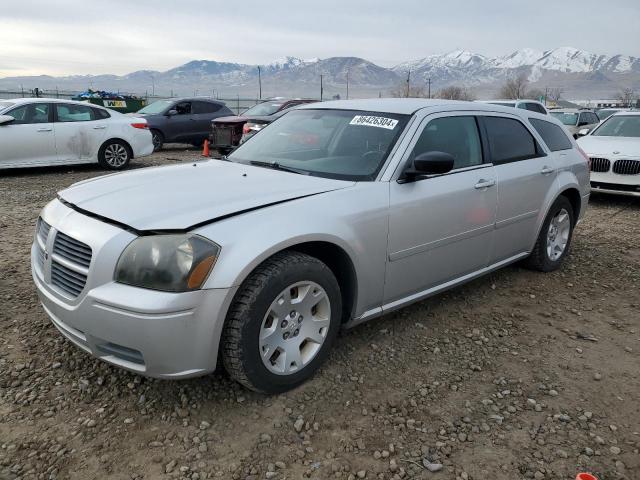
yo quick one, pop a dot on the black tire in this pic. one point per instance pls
(115, 147)
(240, 337)
(539, 258)
(158, 140)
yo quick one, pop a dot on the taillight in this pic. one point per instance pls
(245, 128)
(142, 125)
(252, 127)
(586, 157)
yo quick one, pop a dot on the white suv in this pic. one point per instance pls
(531, 105)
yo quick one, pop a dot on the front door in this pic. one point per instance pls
(525, 175)
(30, 138)
(441, 227)
(181, 126)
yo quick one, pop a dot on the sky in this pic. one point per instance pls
(120, 36)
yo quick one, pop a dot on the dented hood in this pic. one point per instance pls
(180, 197)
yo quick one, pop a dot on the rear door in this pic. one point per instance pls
(203, 113)
(79, 132)
(441, 226)
(30, 139)
(525, 174)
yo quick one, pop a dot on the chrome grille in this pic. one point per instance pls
(626, 167)
(70, 264)
(600, 165)
(72, 250)
(66, 279)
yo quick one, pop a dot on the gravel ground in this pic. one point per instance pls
(516, 375)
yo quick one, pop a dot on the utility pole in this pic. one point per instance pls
(321, 88)
(259, 83)
(546, 94)
(408, 82)
(429, 83)
(153, 86)
(347, 84)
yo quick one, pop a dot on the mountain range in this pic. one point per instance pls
(579, 73)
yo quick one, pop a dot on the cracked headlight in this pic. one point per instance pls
(171, 263)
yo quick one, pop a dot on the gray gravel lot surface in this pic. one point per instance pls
(517, 375)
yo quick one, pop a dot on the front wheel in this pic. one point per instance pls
(282, 323)
(114, 155)
(553, 242)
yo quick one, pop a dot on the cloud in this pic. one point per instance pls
(122, 36)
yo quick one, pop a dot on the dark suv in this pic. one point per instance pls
(182, 120)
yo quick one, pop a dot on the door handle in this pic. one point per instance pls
(45, 129)
(482, 183)
(546, 170)
(99, 127)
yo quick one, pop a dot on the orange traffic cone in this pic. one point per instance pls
(586, 476)
(205, 148)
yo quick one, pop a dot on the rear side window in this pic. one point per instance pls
(74, 113)
(553, 135)
(534, 107)
(509, 140)
(457, 136)
(206, 107)
(100, 114)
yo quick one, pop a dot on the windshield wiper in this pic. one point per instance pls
(277, 166)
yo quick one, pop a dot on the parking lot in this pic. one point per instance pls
(515, 375)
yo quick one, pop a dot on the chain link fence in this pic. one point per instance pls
(236, 104)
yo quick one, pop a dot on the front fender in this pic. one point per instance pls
(354, 219)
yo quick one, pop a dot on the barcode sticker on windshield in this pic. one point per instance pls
(368, 121)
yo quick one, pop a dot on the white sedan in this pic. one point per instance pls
(614, 151)
(44, 131)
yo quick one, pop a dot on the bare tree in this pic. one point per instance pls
(626, 96)
(555, 94)
(533, 94)
(515, 87)
(454, 92)
(414, 91)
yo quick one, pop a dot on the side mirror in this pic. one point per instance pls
(6, 119)
(583, 131)
(171, 112)
(430, 163)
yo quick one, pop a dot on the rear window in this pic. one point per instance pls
(553, 135)
(509, 140)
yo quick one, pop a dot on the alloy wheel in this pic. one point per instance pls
(558, 234)
(116, 155)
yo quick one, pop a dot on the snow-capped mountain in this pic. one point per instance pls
(573, 69)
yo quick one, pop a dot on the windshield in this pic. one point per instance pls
(605, 113)
(265, 108)
(566, 118)
(341, 144)
(619, 126)
(156, 107)
(5, 105)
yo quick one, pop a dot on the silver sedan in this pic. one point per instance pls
(334, 214)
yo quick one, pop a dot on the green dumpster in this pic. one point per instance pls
(128, 105)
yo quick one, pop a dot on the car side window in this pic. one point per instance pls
(553, 135)
(594, 118)
(30, 113)
(509, 140)
(523, 106)
(67, 112)
(183, 108)
(205, 107)
(100, 114)
(457, 136)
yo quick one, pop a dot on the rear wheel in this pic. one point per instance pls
(114, 155)
(553, 242)
(282, 323)
(158, 140)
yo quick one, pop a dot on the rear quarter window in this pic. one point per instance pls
(553, 135)
(509, 140)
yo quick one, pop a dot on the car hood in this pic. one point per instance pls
(623, 146)
(180, 197)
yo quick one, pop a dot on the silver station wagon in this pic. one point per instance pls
(334, 214)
